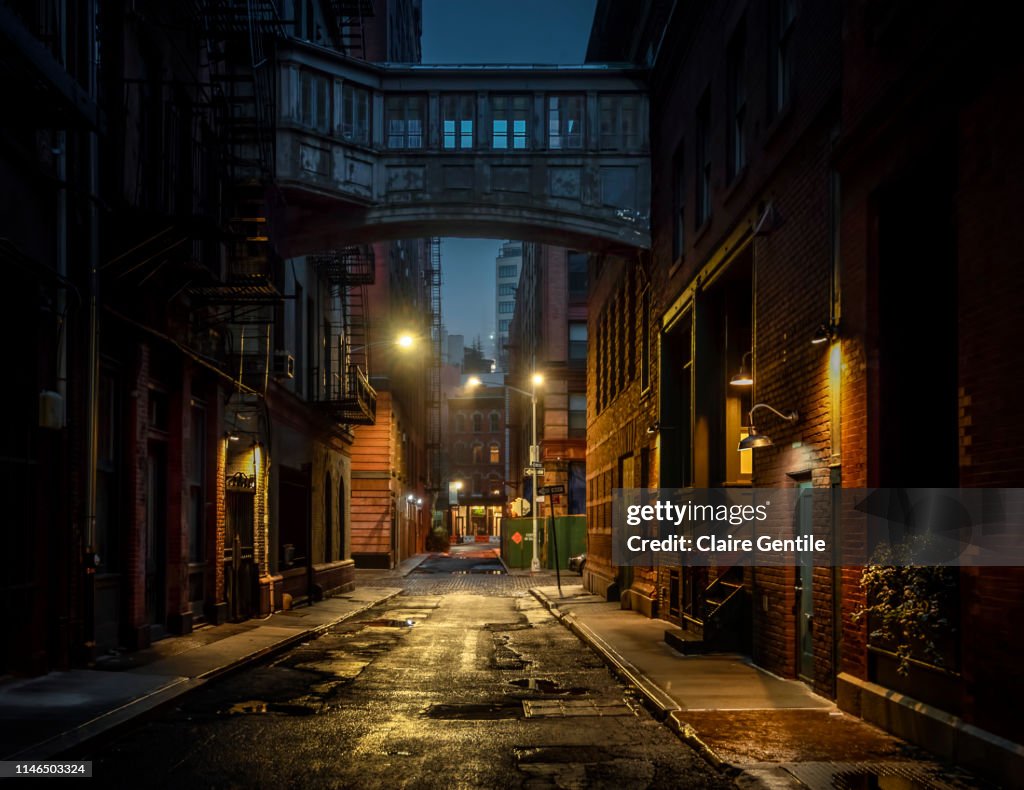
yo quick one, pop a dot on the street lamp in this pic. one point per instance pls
(536, 380)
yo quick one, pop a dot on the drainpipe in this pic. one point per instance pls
(92, 411)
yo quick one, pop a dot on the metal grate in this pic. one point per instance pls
(862, 776)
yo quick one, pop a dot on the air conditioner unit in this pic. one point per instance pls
(284, 365)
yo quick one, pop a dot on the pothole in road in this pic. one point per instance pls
(546, 686)
(493, 627)
(477, 711)
(387, 623)
(255, 706)
(505, 657)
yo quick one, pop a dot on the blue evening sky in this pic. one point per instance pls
(494, 31)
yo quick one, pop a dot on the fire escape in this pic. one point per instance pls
(349, 18)
(341, 386)
(434, 438)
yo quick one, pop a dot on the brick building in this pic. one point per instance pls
(477, 462)
(548, 335)
(193, 395)
(798, 210)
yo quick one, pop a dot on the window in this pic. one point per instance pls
(460, 423)
(404, 118)
(494, 453)
(781, 70)
(577, 275)
(506, 290)
(313, 100)
(619, 122)
(478, 453)
(737, 88)
(679, 199)
(503, 325)
(457, 112)
(461, 454)
(508, 122)
(577, 341)
(508, 270)
(704, 160)
(355, 113)
(577, 415)
(478, 423)
(565, 122)
(506, 308)
(495, 422)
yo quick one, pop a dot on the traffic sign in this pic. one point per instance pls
(559, 489)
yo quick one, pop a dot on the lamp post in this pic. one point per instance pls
(536, 379)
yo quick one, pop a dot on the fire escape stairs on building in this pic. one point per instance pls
(349, 17)
(341, 386)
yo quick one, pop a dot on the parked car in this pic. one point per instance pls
(576, 563)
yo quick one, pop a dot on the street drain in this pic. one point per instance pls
(386, 623)
(476, 711)
(546, 686)
(255, 706)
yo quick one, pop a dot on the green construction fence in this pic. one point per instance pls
(517, 540)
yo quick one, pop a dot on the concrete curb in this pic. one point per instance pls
(668, 710)
(420, 559)
(108, 724)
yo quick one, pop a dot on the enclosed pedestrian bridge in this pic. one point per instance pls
(366, 152)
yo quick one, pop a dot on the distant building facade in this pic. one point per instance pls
(507, 267)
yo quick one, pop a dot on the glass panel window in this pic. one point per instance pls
(507, 271)
(577, 415)
(577, 341)
(478, 453)
(506, 290)
(577, 275)
(405, 118)
(495, 421)
(457, 113)
(509, 116)
(503, 325)
(494, 453)
(703, 160)
(355, 114)
(478, 423)
(313, 98)
(619, 122)
(505, 308)
(460, 423)
(565, 122)
(737, 86)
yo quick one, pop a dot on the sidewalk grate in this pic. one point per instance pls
(557, 708)
(864, 776)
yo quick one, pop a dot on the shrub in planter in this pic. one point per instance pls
(437, 540)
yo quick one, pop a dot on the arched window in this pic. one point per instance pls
(477, 480)
(328, 521)
(460, 423)
(460, 453)
(494, 456)
(478, 453)
(495, 420)
(493, 485)
(478, 423)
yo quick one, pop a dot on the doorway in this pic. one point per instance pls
(805, 584)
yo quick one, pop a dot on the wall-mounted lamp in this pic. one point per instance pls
(419, 501)
(232, 436)
(825, 333)
(755, 439)
(410, 498)
(743, 377)
(654, 427)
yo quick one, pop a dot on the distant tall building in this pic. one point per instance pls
(508, 265)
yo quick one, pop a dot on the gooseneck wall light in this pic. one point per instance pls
(755, 439)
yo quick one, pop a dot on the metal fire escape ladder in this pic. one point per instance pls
(341, 384)
(434, 438)
(349, 18)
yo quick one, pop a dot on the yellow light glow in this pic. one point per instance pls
(405, 340)
(458, 485)
(835, 362)
(473, 381)
(538, 378)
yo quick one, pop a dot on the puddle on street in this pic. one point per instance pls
(546, 686)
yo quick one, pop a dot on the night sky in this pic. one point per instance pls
(493, 31)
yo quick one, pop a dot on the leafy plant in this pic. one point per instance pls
(908, 605)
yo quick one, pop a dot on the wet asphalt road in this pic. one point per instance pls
(472, 685)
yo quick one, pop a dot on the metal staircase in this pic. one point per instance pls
(341, 386)
(724, 621)
(350, 17)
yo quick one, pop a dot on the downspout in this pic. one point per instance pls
(92, 413)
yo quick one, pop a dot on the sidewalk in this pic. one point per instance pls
(44, 716)
(768, 731)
